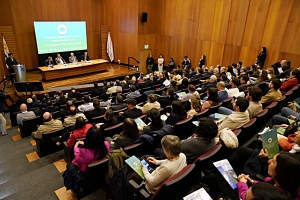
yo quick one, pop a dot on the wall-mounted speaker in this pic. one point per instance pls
(144, 16)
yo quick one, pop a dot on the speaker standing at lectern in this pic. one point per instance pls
(85, 57)
(11, 61)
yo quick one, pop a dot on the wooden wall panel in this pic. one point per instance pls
(226, 31)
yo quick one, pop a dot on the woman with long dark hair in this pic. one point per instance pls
(178, 113)
(263, 77)
(129, 134)
(212, 98)
(202, 61)
(261, 57)
(94, 148)
(155, 121)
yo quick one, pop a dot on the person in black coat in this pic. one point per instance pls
(110, 120)
(150, 63)
(119, 103)
(11, 61)
(97, 91)
(166, 101)
(85, 57)
(50, 108)
(132, 111)
(261, 57)
(49, 61)
(98, 111)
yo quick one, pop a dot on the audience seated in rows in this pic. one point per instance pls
(282, 169)
(50, 107)
(274, 94)
(292, 81)
(24, 114)
(195, 105)
(96, 111)
(87, 106)
(71, 119)
(234, 91)
(212, 83)
(212, 99)
(174, 163)
(178, 113)
(191, 91)
(93, 148)
(200, 142)
(155, 122)
(132, 111)
(110, 120)
(133, 92)
(81, 129)
(119, 103)
(49, 125)
(129, 134)
(239, 117)
(168, 99)
(151, 103)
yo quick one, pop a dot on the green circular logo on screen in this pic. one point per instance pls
(62, 29)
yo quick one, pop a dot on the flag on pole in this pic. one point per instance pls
(110, 50)
(6, 51)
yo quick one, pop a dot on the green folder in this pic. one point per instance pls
(270, 142)
(291, 121)
(136, 165)
(281, 130)
(220, 116)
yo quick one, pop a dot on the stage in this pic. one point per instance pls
(112, 71)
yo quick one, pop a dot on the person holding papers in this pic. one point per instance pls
(72, 58)
(85, 57)
(174, 163)
(59, 60)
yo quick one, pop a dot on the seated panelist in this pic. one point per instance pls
(59, 60)
(72, 58)
(85, 57)
(49, 61)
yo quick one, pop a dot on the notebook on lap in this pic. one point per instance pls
(180, 94)
(227, 172)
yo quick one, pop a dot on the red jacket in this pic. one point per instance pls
(289, 84)
(78, 133)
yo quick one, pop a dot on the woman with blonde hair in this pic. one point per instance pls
(271, 73)
(195, 105)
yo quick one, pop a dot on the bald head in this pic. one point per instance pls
(23, 107)
(47, 116)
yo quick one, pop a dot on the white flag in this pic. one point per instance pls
(110, 49)
(6, 51)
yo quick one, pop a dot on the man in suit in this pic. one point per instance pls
(24, 114)
(49, 125)
(166, 101)
(50, 108)
(144, 83)
(59, 60)
(49, 61)
(85, 57)
(11, 61)
(98, 111)
(132, 111)
(97, 91)
(119, 103)
(72, 58)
